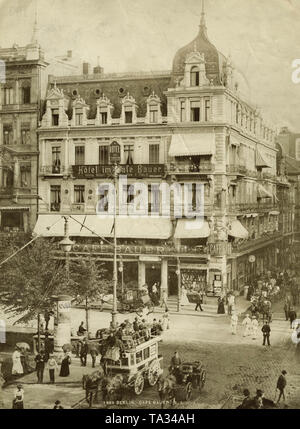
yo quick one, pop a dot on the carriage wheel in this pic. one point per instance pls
(202, 380)
(188, 391)
(139, 384)
(153, 372)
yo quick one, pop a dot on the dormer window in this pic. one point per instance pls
(103, 115)
(129, 108)
(128, 115)
(55, 117)
(78, 117)
(153, 114)
(153, 109)
(104, 111)
(195, 76)
(195, 111)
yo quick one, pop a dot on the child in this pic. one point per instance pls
(166, 320)
(52, 366)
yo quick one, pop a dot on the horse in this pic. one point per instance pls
(92, 383)
(166, 389)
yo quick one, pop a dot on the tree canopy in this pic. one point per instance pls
(30, 278)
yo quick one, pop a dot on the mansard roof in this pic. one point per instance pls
(115, 87)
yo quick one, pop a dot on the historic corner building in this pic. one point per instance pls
(187, 125)
(21, 86)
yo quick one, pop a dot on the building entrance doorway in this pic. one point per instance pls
(153, 275)
(172, 282)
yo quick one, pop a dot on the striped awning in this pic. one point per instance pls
(103, 226)
(192, 144)
(260, 161)
(262, 192)
(237, 230)
(192, 228)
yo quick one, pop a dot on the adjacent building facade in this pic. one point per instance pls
(20, 103)
(188, 125)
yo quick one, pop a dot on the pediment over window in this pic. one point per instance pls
(129, 100)
(80, 103)
(55, 93)
(153, 99)
(103, 102)
(195, 58)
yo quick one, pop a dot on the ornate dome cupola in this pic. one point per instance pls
(213, 59)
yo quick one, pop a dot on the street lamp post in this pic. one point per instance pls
(66, 245)
(115, 268)
(178, 272)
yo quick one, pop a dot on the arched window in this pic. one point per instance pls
(195, 76)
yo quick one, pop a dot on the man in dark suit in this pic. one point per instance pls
(40, 365)
(266, 330)
(83, 352)
(199, 301)
(292, 315)
(281, 385)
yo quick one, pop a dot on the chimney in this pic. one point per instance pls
(86, 68)
(69, 53)
(98, 70)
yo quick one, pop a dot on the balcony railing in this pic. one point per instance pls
(181, 168)
(55, 207)
(236, 169)
(47, 170)
(78, 208)
(252, 206)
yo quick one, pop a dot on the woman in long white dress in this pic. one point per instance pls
(184, 298)
(17, 368)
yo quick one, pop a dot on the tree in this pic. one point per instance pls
(88, 282)
(30, 278)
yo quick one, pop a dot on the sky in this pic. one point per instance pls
(262, 37)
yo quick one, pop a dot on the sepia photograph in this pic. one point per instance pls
(150, 207)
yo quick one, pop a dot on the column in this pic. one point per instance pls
(62, 322)
(141, 274)
(66, 147)
(16, 173)
(164, 276)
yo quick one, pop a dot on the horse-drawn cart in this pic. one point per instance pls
(134, 299)
(126, 371)
(181, 382)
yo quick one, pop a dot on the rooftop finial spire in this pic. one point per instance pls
(34, 38)
(203, 28)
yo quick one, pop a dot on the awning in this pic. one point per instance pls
(260, 161)
(192, 144)
(192, 228)
(127, 227)
(234, 141)
(237, 230)
(263, 192)
(53, 226)
(144, 227)
(274, 213)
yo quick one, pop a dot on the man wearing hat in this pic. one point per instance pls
(266, 333)
(281, 385)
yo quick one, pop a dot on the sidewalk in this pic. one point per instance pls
(210, 308)
(43, 396)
